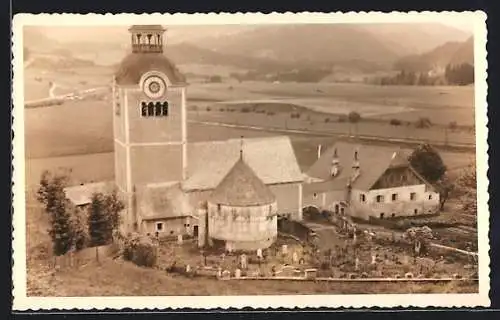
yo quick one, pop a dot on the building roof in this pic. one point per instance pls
(82, 194)
(162, 201)
(272, 159)
(135, 65)
(152, 27)
(241, 187)
(373, 160)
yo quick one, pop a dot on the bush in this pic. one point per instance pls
(327, 120)
(209, 109)
(245, 110)
(222, 109)
(354, 117)
(140, 250)
(395, 122)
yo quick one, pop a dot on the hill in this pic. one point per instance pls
(363, 48)
(380, 43)
(438, 58)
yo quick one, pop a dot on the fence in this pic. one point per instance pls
(84, 256)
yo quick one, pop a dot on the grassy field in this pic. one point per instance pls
(441, 104)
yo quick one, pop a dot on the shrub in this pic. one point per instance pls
(327, 120)
(140, 250)
(395, 122)
(209, 109)
(354, 117)
(245, 110)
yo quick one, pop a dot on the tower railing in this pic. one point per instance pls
(153, 48)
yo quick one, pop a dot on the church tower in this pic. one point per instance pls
(149, 119)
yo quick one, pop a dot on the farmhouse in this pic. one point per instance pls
(368, 182)
(219, 191)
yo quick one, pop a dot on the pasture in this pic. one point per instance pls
(441, 104)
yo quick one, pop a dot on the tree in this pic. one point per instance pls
(79, 227)
(51, 190)
(113, 207)
(51, 194)
(354, 117)
(61, 230)
(98, 223)
(427, 162)
(445, 187)
(103, 217)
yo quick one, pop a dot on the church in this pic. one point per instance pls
(232, 192)
(168, 183)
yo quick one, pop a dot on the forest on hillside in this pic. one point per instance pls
(455, 75)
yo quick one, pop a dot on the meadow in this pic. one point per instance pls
(79, 133)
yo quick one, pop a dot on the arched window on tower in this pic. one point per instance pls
(154, 109)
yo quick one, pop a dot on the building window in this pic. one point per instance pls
(415, 211)
(382, 215)
(315, 195)
(413, 196)
(394, 197)
(218, 207)
(117, 109)
(379, 198)
(430, 197)
(154, 109)
(159, 226)
(342, 210)
(393, 215)
(362, 197)
(337, 208)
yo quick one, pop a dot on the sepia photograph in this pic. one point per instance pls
(293, 159)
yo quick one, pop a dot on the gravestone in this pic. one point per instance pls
(237, 273)
(284, 249)
(179, 239)
(243, 261)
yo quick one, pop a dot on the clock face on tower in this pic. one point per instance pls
(154, 86)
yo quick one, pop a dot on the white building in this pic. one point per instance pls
(368, 181)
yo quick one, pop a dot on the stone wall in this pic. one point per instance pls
(257, 224)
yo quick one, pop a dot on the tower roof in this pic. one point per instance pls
(147, 55)
(241, 187)
(152, 27)
(135, 65)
